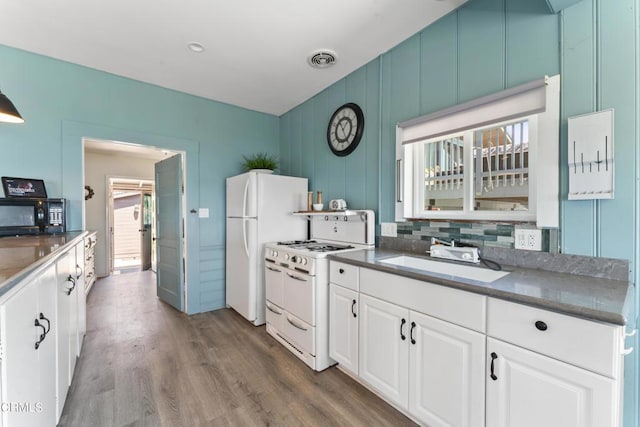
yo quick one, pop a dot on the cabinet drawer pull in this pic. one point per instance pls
(353, 306)
(341, 271)
(541, 326)
(78, 274)
(494, 356)
(402, 335)
(302, 328)
(413, 326)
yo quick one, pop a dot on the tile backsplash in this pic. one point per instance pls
(481, 234)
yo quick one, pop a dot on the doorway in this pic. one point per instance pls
(132, 225)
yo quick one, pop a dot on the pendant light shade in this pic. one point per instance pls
(8, 112)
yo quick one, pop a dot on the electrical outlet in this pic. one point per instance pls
(529, 239)
(389, 229)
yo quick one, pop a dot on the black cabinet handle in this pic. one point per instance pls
(78, 274)
(541, 326)
(73, 281)
(353, 305)
(413, 326)
(41, 317)
(42, 335)
(402, 335)
(494, 356)
(341, 271)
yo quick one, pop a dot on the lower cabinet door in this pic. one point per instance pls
(384, 349)
(343, 327)
(531, 390)
(446, 365)
(66, 305)
(20, 374)
(47, 364)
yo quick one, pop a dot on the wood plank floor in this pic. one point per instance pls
(145, 364)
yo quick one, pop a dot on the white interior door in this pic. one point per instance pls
(169, 229)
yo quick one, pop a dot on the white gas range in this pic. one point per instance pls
(297, 282)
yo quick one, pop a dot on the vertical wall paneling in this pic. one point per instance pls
(578, 86)
(337, 165)
(295, 156)
(355, 163)
(532, 34)
(306, 141)
(439, 57)
(322, 153)
(481, 53)
(285, 143)
(372, 129)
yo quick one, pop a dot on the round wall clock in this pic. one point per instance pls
(345, 129)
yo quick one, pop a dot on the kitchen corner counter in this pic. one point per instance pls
(603, 300)
(23, 255)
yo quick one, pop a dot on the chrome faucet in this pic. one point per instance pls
(436, 241)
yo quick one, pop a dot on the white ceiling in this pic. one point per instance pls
(256, 50)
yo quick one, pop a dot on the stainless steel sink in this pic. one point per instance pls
(456, 270)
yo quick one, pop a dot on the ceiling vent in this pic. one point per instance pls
(322, 59)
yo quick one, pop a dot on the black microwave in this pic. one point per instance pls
(32, 216)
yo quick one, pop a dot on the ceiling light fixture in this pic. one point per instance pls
(8, 111)
(322, 58)
(196, 47)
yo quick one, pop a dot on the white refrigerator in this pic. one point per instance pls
(259, 208)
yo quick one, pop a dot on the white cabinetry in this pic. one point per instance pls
(80, 295)
(531, 390)
(67, 297)
(561, 372)
(29, 353)
(429, 367)
(343, 327)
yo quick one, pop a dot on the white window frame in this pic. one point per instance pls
(537, 101)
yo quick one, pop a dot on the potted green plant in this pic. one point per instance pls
(260, 162)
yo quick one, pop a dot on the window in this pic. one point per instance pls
(494, 158)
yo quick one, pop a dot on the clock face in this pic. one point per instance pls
(345, 129)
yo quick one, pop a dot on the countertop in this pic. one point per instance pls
(22, 255)
(591, 298)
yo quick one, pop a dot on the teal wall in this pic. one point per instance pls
(62, 103)
(487, 46)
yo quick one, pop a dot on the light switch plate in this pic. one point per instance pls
(389, 229)
(203, 213)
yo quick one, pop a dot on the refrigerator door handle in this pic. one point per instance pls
(244, 198)
(244, 236)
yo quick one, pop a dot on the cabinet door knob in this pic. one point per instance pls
(341, 271)
(494, 356)
(541, 326)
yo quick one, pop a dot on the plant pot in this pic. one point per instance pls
(261, 170)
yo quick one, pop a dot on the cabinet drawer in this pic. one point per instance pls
(275, 316)
(453, 305)
(344, 275)
(590, 345)
(299, 296)
(299, 332)
(274, 283)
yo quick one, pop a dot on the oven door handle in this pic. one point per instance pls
(273, 310)
(302, 328)
(273, 269)
(296, 277)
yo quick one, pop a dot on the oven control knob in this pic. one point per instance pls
(286, 257)
(304, 261)
(274, 254)
(294, 259)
